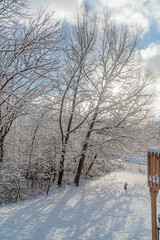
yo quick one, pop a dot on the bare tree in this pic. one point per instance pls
(29, 57)
(78, 49)
(102, 92)
(121, 92)
(92, 107)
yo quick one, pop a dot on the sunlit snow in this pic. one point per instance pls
(99, 209)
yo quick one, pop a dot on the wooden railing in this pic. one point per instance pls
(153, 169)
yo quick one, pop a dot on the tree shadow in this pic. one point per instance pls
(99, 210)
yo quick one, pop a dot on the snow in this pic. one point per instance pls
(99, 209)
(135, 159)
(154, 149)
(157, 124)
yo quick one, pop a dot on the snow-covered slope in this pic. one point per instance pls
(100, 209)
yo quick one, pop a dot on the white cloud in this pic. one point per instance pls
(141, 12)
(152, 11)
(66, 8)
(114, 3)
(132, 19)
(62, 8)
(128, 11)
(151, 56)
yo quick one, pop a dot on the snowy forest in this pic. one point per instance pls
(73, 98)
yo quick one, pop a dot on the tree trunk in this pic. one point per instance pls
(32, 145)
(60, 175)
(79, 170)
(1, 149)
(1, 139)
(91, 165)
(84, 148)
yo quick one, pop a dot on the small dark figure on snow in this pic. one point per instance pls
(125, 186)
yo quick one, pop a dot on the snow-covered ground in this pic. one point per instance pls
(99, 209)
(135, 159)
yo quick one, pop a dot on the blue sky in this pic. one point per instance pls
(145, 13)
(153, 35)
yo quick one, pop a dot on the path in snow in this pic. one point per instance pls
(100, 209)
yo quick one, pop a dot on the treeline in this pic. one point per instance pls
(72, 97)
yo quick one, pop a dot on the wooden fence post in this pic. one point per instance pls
(153, 194)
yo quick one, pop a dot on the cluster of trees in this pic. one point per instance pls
(71, 96)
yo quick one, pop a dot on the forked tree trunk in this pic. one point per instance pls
(64, 144)
(90, 166)
(84, 149)
(80, 46)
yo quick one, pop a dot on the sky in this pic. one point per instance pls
(144, 13)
